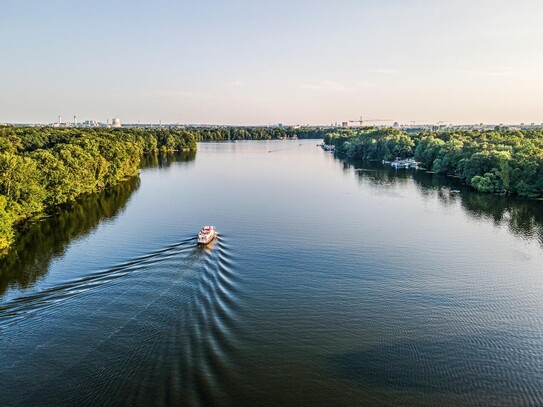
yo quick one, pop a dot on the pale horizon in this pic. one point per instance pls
(256, 63)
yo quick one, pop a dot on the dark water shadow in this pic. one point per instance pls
(463, 365)
(523, 216)
(40, 242)
(159, 160)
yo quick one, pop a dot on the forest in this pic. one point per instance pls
(256, 133)
(498, 161)
(41, 168)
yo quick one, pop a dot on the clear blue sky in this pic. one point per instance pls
(260, 62)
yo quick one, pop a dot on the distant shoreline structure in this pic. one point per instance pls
(410, 128)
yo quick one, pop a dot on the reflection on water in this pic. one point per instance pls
(523, 216)
(330, 283)
(166, 160)
(207, 248)
(176, 338)
(42, 241)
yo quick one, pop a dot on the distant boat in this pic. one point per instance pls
(399, 163)
(206, 235)
(328, 147)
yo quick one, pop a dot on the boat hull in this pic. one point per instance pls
(203, 240)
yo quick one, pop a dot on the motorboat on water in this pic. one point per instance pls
(206, 235)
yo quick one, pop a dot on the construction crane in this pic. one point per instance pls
(361, 121)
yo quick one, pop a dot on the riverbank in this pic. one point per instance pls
(498, 161)
(42, 168)
(384, 284)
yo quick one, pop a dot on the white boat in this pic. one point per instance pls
(328, 147)
(399, 163)
(206, 235)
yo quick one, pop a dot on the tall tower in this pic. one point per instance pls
(59, 119)
(75, 121)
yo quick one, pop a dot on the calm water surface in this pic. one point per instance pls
(331, 283)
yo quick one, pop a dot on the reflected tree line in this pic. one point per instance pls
(498, 161)
(166, 160)
(523, 216)
(41, 168)
(39, 242)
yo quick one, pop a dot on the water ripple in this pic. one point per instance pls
(22, 307)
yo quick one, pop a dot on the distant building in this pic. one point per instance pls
(344, 124)
(116, 122)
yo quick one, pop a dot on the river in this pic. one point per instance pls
(330, 283)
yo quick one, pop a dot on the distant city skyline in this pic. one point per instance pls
(116, 122)
(247, 62)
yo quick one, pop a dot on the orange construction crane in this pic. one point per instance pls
(362, 121)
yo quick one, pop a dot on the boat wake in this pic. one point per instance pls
(27, 305)
(170, 317)
(210, 345)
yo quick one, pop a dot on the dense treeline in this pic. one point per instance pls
(44, 167)
(498, 161)
(41, 167)
(28, 139)
(257, 133)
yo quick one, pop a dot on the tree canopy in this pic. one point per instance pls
(497, 161)
(44, 167)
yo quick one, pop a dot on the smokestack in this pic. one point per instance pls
(75, 121)
(59, 120)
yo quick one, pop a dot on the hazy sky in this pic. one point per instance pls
(260, 62)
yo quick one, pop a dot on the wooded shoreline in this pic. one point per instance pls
(43, 167)
(497, 161)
